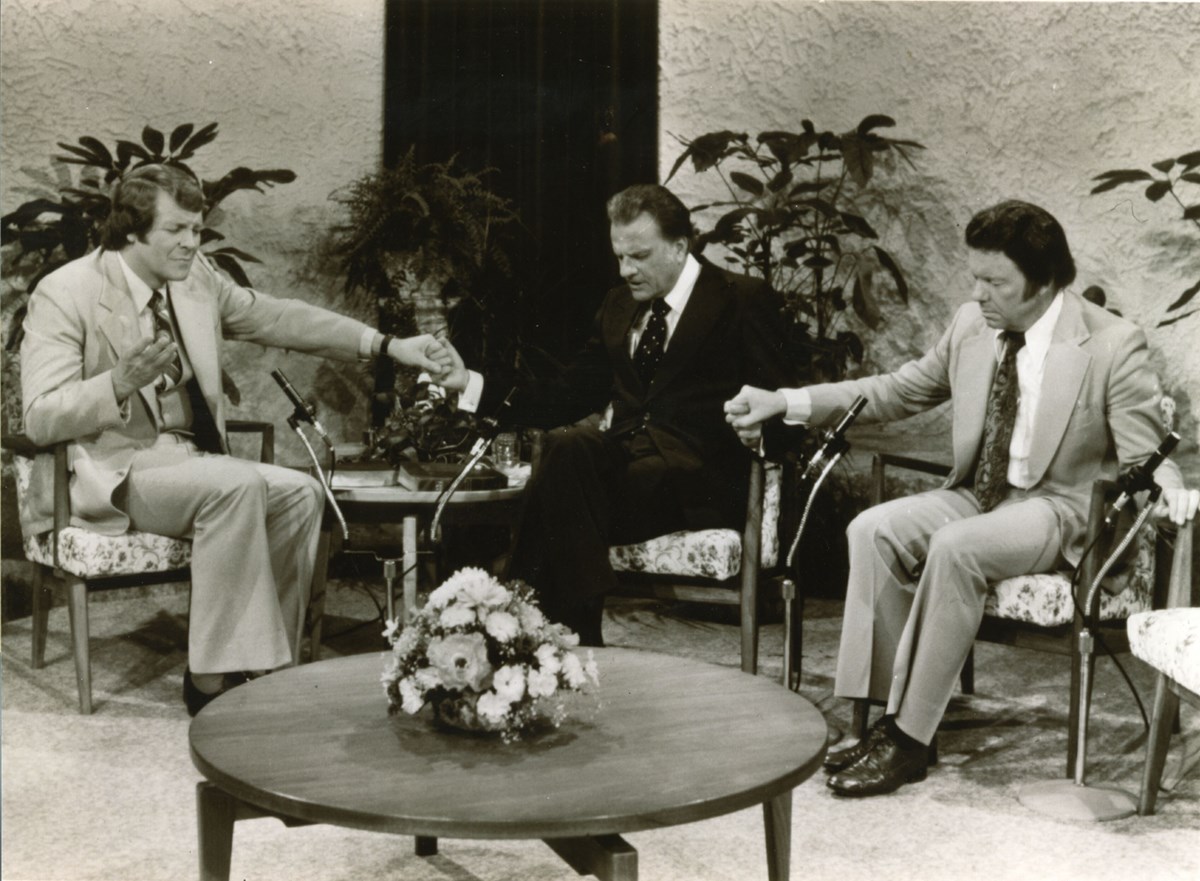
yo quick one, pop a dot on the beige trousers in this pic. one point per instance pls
(904, 638)
(254, 530)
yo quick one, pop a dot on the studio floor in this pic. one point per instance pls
(112, 796)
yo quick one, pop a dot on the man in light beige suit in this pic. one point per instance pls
(122, 356)
(1085, 406)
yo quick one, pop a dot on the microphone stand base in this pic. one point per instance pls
(1068, 800)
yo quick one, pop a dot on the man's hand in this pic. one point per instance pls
(456, 375)
(1179, 505)
(750, 408)
(142, 365)
(424, 351)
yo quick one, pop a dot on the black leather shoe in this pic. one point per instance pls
(843, 757)
(885, 768)
(196, 700)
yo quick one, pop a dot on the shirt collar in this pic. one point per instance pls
(138, 289)
(678, 296)
(1040, 333)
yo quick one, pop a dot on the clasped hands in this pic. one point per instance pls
(750, 408)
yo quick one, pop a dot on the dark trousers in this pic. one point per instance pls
(590, 491)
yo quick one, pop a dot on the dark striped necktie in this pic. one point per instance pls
(991, 477)
(162, 324)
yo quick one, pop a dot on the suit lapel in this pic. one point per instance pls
(976, 367)
(704, 307)
(119, 325)
(618, 322)
(194, 318)
(1066, 366)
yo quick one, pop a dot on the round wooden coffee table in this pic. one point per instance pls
(673, 741)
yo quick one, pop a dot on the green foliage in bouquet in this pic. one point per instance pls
(486, 659)
(790, 214)
(1178, 178)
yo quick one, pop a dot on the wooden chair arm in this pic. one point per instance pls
(21, 445)
(250, 426)
(881, 461)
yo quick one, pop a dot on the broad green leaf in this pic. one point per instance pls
(235, 252)
(750, 184)
(893, 269)
(1191, 177)
(1157, 190)
(858, 159)
(99, 149)
(873, 121)
(864, 301)
(1174, 318)
(781, 180)
(858, 225)
(1124, 175)
(1191, 212)
(1163, 165)
(180, 135)
(1189, 160)
(153, 139)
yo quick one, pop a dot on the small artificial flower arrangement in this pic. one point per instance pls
(486, 658)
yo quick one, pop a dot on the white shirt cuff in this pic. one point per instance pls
(799, 406)
(365, 342)
(469, 399)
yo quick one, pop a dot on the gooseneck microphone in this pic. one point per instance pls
(835, 440)
(304, 412)
(1141, 477)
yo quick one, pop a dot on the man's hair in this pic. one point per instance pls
(134, 197)
(1027, 235)
(672, 216)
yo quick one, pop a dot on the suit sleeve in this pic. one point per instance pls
(284, 323)
(59, 403)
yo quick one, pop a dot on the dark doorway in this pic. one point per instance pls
(560, 98)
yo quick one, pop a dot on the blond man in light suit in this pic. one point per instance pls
(1088, 408)
(133, 381)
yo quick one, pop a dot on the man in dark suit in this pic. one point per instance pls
(1082, 404)
(669, 346)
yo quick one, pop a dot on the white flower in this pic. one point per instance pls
(492, 707)
(391, 628)
(547, 656)
(532, 619)
(509, 683)
(461, 659)
(427, 678)
(411, 700)
(471, 587)
(542, 683)
(455, 615)
(573, 670)
(502, 626)
(409, 637)
(591, 668)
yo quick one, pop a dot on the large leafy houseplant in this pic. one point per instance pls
(436, 230)
(1179, 179)
(54, 228)
(790, 214)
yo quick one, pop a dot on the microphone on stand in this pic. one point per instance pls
(835, 441)
(491, 427)
(1141, 477)
(304, 412)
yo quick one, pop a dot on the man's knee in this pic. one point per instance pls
(570, 447)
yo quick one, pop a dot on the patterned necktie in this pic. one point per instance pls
(650, 347)
(162, 324)
(991, 478)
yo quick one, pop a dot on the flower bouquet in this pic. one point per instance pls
(486, 658)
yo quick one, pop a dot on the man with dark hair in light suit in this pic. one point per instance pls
(1048, 393)
(122, 356)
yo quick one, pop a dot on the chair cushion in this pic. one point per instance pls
(1169, 641)
(705, 553)
(87, 554)
(1045, 599)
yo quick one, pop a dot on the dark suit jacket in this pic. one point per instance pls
(730, 335)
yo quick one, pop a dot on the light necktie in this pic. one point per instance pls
(162, 324)
(991, 477)
(650, 347)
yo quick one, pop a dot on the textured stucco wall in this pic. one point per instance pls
(1016, 100)
(293, 84)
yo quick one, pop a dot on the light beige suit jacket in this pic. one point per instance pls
(1099, 411)
(82, 319)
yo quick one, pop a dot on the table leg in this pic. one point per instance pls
(608, 857)
(777, 821)
(216, 811)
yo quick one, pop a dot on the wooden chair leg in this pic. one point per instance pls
(967, 676)
(1166, 707)
(77, 606)
(749, 619)
(42, 601)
